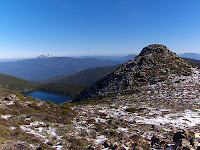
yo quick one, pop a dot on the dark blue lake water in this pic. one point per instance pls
(47, 95)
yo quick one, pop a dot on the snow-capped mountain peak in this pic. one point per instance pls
(46, 56)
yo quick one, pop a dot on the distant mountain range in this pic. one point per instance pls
(131, 56)
(47, 67)
(191, 55)
(121, 59)
(11, 59)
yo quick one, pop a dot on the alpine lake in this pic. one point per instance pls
(55, 97)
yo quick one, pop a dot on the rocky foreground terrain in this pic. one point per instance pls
(161, 112)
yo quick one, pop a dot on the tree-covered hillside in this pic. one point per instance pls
(69, 88)
(17, 84)
(20, 85)
(86, 77)
(193, 61)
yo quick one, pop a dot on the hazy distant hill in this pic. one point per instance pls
(121, 59)
(43, 68)
(86, 77)
(11, 59)
(128, 57)
(103, 57)
(191, 55)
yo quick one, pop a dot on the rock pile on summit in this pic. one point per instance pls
(155, 63)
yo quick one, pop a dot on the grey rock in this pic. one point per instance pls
(152, 65)
(11, 97)
(155, 141)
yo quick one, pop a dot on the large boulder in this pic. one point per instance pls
(11, 97)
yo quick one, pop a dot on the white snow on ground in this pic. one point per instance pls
(122, 129)
(36, 123)
(186, 119)
(100, 139)
(197, 135)
(13, 128)
(59, 147)
(100, 120)
(39, 129)
(32, 131)
(152, 114)
(11, 103)
(5, 116)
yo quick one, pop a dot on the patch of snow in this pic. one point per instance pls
(36, 123)
(185, 119)
(59, 147)
(100, 139)
(197, 135)
(100, 120)
(32, 131)
(12, 128)
(44, 132)
(122, 129)
(5, 116)
(27, 119)
(127, 148)
(10, 103)
(45, 56)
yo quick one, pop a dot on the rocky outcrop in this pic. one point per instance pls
(154, 64)
(137, 142)
(11, 145)
(11, 97)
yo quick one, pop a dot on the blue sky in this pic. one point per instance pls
(29, 28)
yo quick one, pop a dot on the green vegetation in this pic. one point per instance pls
(193, 62)
(4, 131)
(133, 109)
(17, 84)
(90, 102)
(86, 77)
(69, 88)
(35, 110)
(134, 122)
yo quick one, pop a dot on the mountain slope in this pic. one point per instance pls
(158, 114)
(156, 63)
(192, 61)
(17, 84)
(86, 77)
(22, 116)
(44, 68)
(90, 76)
